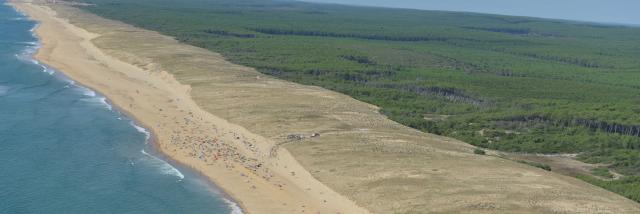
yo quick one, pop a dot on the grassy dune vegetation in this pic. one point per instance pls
(506, 83)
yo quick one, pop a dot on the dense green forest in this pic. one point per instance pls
(508, 83)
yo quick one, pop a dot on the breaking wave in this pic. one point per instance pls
(235, 208)
(146, 133)
(165, 167)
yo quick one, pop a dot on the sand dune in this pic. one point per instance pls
(280, 147)
(236, 159)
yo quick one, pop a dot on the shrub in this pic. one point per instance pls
(602, 172)
(536, 164)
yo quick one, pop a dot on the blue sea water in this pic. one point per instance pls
(64, 149)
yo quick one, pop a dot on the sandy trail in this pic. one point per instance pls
(262, 123)
(262, 177)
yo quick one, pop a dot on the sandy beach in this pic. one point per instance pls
(279, 147)
(238, 161)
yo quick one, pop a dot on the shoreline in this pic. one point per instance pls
(222, 193)
(226, 192)
(151, 137)
(367, 158)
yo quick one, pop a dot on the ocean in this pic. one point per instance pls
(65, 149)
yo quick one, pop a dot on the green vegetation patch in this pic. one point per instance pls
(536, 164)
(479, 151)
(628, 186)
(602, 172)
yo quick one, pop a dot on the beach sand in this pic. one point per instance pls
(280, 147)
(237, 160)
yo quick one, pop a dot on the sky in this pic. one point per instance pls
(603, 11)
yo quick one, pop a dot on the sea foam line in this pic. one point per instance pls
(165, 167)
(169, 169)
(103, 101)
(85, 91)
(146, 133)
(28, 55)
(93, 96)
(235, 208)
